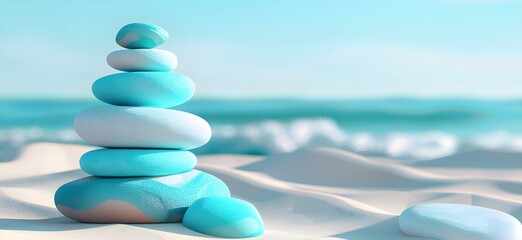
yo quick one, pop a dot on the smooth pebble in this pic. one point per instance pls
(224, 217)
(136, 162)
(141, 35)
(136, 200)
(459, 222)
(133, 60)
(141, 127)
(146, 89)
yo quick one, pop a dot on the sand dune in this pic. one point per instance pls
(333, 167)
(478, 160)
(309, 194)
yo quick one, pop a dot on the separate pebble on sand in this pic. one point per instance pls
(459, 222)
(206, 215)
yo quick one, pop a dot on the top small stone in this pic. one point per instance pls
(141, 35)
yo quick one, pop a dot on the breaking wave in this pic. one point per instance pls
(274, 136)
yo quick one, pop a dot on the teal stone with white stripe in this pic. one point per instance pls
(136, 162)
(224, 217)
(141, 35)
(136, 200)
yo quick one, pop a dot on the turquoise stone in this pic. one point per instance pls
(136, 200)
(224, 217)
(136, 162)
(141, 35)
(144, 89)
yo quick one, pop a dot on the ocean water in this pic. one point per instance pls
(410, 129)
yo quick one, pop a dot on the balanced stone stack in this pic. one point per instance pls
(145, 172)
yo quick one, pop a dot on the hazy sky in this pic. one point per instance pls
(275, 48)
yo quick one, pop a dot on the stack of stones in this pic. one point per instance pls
(145, 173)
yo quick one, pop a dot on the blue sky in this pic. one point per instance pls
(273, 48)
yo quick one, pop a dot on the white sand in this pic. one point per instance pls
(309, 194)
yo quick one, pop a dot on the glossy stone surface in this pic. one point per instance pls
(133, 60)
(136, 200)
(141, 35)
(141, 127)
(136, 162)
(145, 89)
(224, 217)
(458, 221)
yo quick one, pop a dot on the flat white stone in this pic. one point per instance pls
(141, 127)
(459, 222)
(142, 60)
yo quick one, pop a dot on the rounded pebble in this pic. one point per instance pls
(136, 200)
(457, 221)
(141, 35)
(142, 60)
(136, 162)
(148, 89)
(224, 217)
(141, 127)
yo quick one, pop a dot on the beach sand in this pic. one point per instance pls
(309, 194)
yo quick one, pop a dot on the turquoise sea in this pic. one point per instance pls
(397, 128)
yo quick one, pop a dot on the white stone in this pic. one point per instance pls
(142, 60)
(141, 127)
(459, 222)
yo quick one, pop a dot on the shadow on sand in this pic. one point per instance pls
(9, 154)
(388, 229)
(57, 224)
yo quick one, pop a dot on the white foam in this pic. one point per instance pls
(276, 137)
(500, 140)
(271, 136)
